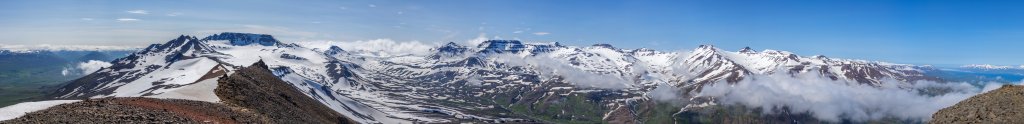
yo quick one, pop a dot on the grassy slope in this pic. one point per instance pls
(26, 77)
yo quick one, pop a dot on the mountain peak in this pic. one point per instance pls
(705, 48)
(334, 50)
(747, 50)
(500, 46)
(242, 39)
(451, 44)
(602, 45)
(819, 57)
(260, 64)
(451, 47)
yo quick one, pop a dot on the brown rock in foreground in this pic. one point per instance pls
(139, 110)
(1001, 106)
(255, 87)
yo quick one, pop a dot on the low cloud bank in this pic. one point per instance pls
(834, 101)
(667, 93)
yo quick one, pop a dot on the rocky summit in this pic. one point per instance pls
(1001, 106)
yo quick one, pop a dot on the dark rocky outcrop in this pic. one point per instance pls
(1001, 106)
(255, 87)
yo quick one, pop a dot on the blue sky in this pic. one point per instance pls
(910, 31)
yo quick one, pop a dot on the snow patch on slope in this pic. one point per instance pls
(201, 91)
(20, 109)
(178, 73)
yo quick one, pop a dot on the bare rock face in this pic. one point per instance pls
(1001, 106)
(255, 87)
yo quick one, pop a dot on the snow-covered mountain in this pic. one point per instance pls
(992, 67)
(494, 81)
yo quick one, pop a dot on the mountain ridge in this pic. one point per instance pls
(450, 84)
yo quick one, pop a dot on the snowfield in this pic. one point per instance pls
(20, 109)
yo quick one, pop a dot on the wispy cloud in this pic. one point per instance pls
(540, 33)
(174, 14)
(372, 5)
(127, 20)
(478, 40)
(87, 19)
(138, 12)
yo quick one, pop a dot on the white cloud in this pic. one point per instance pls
(540, 33)
(474, 80)
(834, 101)
(175, 14)
(87, 19)
(138, 12)
(378, 47)
(127, 20)
(516, 32)
(86, 67)
(92, 66)
(668, 94)
(476, 41)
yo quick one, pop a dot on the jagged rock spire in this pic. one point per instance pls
(747, 50)
(260, 64)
